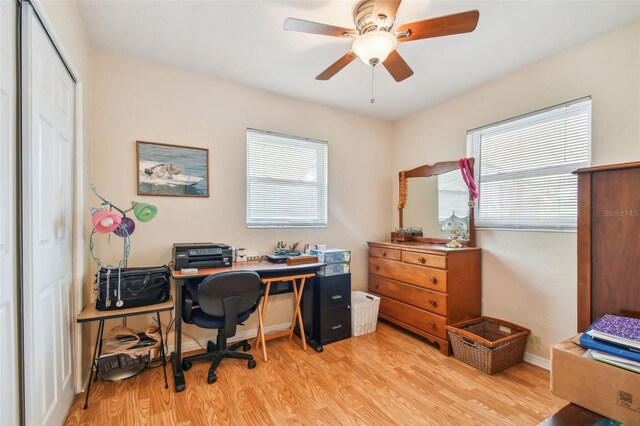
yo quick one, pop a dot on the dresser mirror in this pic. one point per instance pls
(429, 195)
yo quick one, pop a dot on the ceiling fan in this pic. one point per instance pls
(374, 42)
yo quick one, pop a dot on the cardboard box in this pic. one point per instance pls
(609, 391)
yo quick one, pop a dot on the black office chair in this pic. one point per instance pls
(221, 301)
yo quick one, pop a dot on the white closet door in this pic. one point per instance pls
(48, 142)
(8, 286)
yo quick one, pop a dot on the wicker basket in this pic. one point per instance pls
(364, 313)
(489, 344)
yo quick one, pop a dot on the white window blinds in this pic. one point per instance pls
(286, 181)
(523, 167)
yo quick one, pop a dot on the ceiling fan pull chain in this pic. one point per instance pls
(372, 98)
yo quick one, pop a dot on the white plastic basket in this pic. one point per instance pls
(364, 312)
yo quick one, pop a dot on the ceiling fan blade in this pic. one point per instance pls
(458, 23)
(300, 25)
(337, 66)
(387, 8)
(397, 67)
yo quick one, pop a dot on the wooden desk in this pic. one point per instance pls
(90, 313)
(269, 273)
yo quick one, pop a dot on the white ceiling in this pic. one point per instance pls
(243, 42)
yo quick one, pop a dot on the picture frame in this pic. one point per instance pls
(171, 170)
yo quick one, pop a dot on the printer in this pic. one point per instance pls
(201, 255)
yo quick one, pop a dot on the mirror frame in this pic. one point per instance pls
(435, 170)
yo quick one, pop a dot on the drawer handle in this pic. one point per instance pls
(432, 279)
(335, 327)
(376, 286)
(432, 324)
(336, 297)
(432, 301)
(421, 259)
(384, 254)
(377, 267)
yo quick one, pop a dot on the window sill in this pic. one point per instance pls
(285, 226)
(561, 231)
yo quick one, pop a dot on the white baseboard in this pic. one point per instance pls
(191, 344)
(537, 360)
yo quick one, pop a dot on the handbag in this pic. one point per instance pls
(121, 288)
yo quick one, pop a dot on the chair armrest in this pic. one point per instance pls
(187, 307)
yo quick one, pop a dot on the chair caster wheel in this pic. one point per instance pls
(251, 364)
(212, 378)
(211, 347)
(186, 365)
(246, 347)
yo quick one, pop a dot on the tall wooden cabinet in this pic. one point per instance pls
(608, 241)
(424, 287)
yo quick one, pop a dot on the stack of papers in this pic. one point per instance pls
(625, 363)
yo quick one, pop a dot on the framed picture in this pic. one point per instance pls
(172, 170)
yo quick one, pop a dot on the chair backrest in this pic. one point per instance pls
(215, 288)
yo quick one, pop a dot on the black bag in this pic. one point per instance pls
(121, 288)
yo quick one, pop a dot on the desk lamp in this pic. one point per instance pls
(457, 227)
(106, 221)
(144, 212)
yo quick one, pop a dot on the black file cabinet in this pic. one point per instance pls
(326, 309)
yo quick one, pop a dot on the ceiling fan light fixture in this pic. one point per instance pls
(373, 47)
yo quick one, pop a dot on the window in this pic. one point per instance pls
(286, 181)
(523, 167)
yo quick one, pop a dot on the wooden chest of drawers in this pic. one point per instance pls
(424, 287)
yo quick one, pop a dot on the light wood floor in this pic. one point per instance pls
(383, 378)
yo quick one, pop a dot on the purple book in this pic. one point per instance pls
(620, 327)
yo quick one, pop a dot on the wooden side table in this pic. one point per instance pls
(90, 314)
(298, 282)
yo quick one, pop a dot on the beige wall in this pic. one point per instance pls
(530, 277)
(137, 100)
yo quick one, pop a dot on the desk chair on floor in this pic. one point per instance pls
(221, 301)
